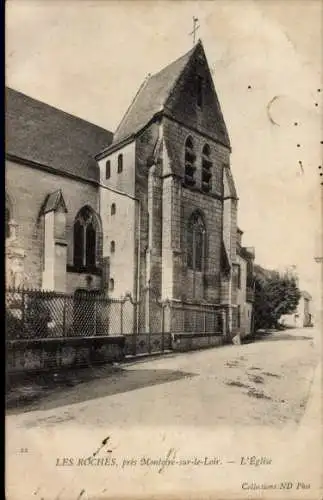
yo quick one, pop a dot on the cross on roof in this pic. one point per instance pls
(196, 26)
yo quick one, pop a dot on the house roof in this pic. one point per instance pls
(38, 132)
(150, 98)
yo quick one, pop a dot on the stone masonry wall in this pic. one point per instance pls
(185, 200)
(27, 188)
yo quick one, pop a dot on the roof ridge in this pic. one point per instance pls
(187, 54)
(147, 79)
(180, 62)
(175, 61)
(56, 109)
(144, 83)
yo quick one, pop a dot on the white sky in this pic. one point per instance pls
(89, 58)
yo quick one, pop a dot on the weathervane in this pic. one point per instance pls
(195, 28)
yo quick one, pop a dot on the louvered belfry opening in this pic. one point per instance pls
(190, 158)
(206, 169)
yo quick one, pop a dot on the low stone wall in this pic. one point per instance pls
(190, 341)
(54, 354)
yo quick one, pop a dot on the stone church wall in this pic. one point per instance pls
(210, 206)
(28, 187)
(148, 191)
(175, 135)
(211, 210)
(119, 223)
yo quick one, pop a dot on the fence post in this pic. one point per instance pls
(64, 317)
(163, 328)
(121, 316)
(94, 319)
(23, 312)
(136, 329)
(183, 318)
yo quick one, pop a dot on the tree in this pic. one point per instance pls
(275, 294)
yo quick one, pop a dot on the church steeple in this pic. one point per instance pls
(160, 91)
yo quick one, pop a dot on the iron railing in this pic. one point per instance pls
(146, 324)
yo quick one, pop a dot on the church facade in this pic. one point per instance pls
(152, 207)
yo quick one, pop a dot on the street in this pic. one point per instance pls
(223, 404)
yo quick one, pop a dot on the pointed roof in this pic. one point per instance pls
(150, 98)
(53, 201)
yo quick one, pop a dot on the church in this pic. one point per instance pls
(151, 207)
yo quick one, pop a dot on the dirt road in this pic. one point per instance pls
(218, 407)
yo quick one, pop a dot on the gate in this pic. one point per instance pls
(143, 324)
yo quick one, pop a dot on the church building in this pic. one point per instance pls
(149, 210)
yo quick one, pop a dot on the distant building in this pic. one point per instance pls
(244, 286)
(302, 317)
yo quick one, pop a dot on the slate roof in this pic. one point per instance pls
(41, 133)
(151, 98)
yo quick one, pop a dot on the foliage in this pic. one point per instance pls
(275, 294)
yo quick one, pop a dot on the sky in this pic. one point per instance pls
(89, 58)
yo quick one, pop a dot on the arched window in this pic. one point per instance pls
(85, 238)
(108, 169)
(112, 247)
(111, 284)
(120, 164)
(189, 162)
(196, 242)
(113, 208)
(206, 169)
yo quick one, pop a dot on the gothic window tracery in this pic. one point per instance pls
(196, 242)
(85, 238)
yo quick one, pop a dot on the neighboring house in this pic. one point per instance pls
(152, 206)
(302, 317)
(244, 279)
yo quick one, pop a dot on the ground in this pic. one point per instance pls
(226, 404)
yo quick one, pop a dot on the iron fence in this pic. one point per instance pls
(147, 324)
(192, 318)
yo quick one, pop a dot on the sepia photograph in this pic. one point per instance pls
(163, 249)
